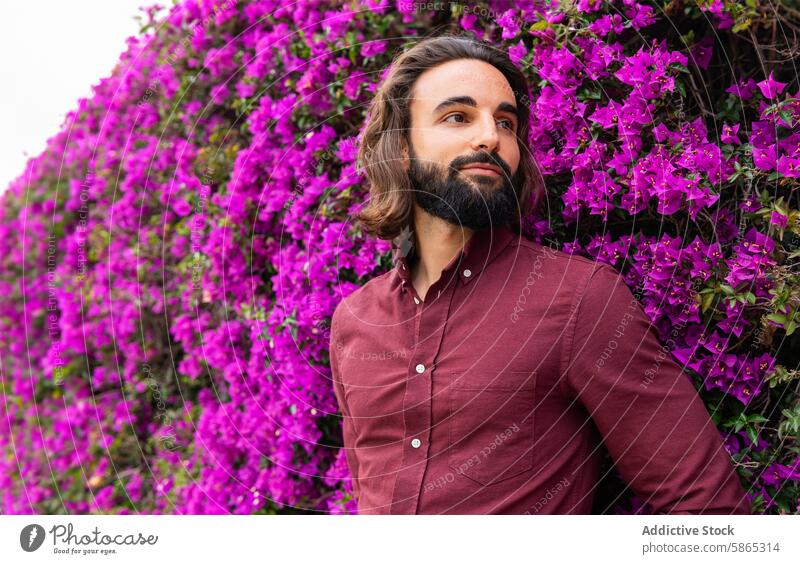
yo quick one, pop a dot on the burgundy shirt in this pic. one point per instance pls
(499, 392)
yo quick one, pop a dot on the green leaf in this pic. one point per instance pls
(741, 26)
(739, 422)
(707, 301)
(752, 432)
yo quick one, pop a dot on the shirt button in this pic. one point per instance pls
(467, 273)
(416, 300)
(415, 443)
(420, 368)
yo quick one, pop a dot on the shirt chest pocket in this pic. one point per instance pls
(491, 425)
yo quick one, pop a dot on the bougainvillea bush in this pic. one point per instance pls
(171, 261)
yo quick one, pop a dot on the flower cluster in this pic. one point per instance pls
(171, 261)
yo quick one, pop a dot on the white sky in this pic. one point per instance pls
(51, 53)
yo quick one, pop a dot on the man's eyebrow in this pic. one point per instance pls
(470, 101)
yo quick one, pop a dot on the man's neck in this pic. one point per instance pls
(436, 243)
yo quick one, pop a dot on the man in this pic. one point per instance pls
(486, 373)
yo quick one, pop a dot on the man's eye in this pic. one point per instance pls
(510, 124)
(453, 115)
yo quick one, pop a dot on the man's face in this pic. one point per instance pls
(449, 135)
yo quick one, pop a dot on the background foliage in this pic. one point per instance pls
(170, 262)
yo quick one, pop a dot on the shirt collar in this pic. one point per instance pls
(484, 245)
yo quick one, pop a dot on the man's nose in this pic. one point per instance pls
(486, 137)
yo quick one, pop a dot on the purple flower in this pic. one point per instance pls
(640, 15)
(743, 89)
(181, 207)
(590, 5)
(765, 158)
(789, 166)
(517, 52)
(572, 248)
(510, 24)
(227, 230)
(750, 204)
(702, 51)
(373, 48)
(470, 22)
(776, 475)
(778, 218)
(607, 116)
(647, 72)
(770, 88)
(219, 93)
(730, 134)
(750, 261)
(607, 24)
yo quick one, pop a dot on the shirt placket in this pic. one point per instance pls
(429, 325)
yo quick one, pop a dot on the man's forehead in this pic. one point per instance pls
(465, 77)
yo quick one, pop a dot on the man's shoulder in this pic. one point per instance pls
(355, 303)
(573, 269)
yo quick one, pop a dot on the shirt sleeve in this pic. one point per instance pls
(348, 429)
(653, 422)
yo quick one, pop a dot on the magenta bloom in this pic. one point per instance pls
(702, 52)
(770, 87)
(789, 166)
(606, 24)
(510, 24)
(765, 158)
(373, 48)
(517, 52)
(776, 475)
(202, 202)
(778, 219)
(743, 89)
(730, 134)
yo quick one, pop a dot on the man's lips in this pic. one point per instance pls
(484, 169)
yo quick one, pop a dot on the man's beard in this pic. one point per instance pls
(446, 194)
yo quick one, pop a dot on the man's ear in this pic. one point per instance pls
(405, 161)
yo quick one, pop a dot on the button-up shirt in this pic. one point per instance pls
(503, 389)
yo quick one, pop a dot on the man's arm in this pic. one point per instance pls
(652, 420)
(348, 430)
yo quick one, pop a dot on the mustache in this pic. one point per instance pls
(480, 158)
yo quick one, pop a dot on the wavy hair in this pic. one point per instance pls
(391, 203)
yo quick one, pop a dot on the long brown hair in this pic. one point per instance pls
(391, 204)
